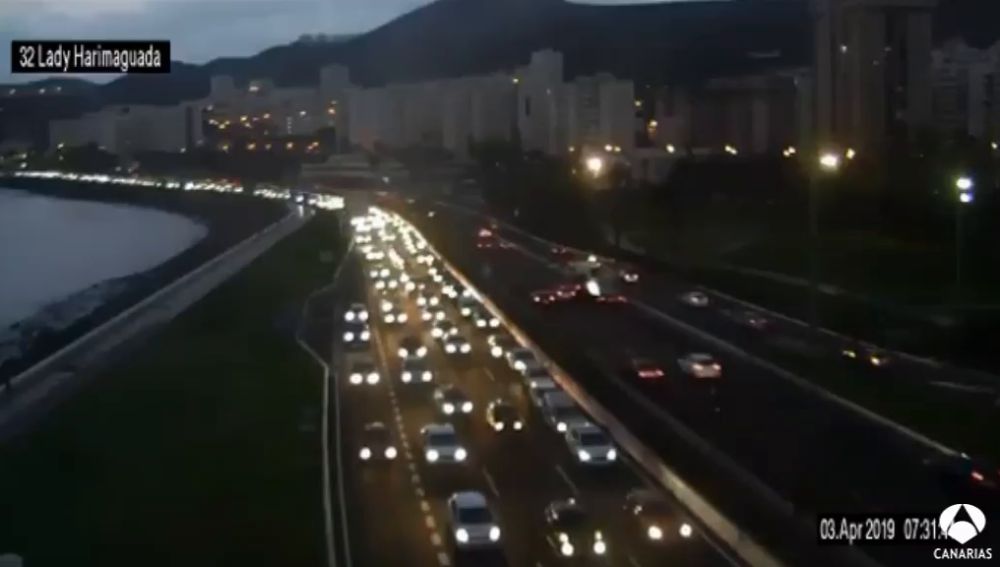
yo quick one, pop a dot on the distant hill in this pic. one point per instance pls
(678, 41)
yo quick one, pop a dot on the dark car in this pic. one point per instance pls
(571, 533)
(501, 415)
(655, 519)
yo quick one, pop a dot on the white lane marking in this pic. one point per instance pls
(429, 520)
(413, 467)
(568, 480)
(420, 492)
(489, 481)
(409, 455)
(489, 374)
(443, 559)
(425, 506)
(436, 539)
(633, 561)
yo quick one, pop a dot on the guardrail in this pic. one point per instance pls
(724, 529)
(62, 355)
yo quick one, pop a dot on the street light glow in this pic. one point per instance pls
(850, 153)
(594, 165)
(829, 161)
(963, 183)
(965, 197)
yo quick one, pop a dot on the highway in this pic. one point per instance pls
(396, 510)
(813, 455)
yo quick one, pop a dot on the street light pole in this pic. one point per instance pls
(964, 185)
(828, 162)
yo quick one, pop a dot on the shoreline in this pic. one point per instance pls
(227, 218)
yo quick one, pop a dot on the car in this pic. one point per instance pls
(628, 275)
(466, 304)
(644, 369)
(356, 334)
(379, 271)
(415, 370)
(450, 400)
(518, 357)
(560, 412)
(590, 445)
(356, 312)
(538, 387)
(376, 443)
(751, 319)
(535, 372)
(425, 299)
(499, 344)
(472, 523)
(483, 319)
(501, 415)
(544, 297)
(868, 354)
(570, 532)
(531, 367)
(568, 291)
(433, 313)
(363, 371)
(610, 298)
(654, 516)
(391, 313)
(967, 479)
(441, 444)
(695, 299)
(411, 347)
(456, 344)
(700, 365)
(443, 329)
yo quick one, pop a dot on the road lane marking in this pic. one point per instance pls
(443, 559)
(429, 520)
(568, 480)
(425, 506)
(489, 374)
(633, 561)
(420, 492)
(415, 478)
(436, 539)
(489, 481)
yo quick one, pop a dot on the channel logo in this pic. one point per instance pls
(962, 522)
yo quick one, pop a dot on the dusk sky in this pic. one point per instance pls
(200, 30)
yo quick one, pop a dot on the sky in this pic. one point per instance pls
(199, 30)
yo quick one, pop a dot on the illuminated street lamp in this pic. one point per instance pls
(595, 165)
(829, 163)
(965, 188)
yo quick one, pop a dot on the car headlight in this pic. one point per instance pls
(612, 454)
(600, 547)
(379, 284)
(498, 426)
(496, 351)
(466, 407)
(348, 336)
(422, 351)
(402, 317)
(518, 425)
(349, 316)
(561, 427)
(654, 532)
(460, 454)
(373, 378)
(449, 348)
(685, 530)
(495, 533)
(365, 454)
(583, 455)
(480, 323)
(426, 376)
(390, 318)
(406, 376)
(466, 348)
(410, 286)
(465, 311)
(448, 408)
(355, 378)
(365, 335)
(519, 365)
(494, 323)
(566, 548)
(432, 455)
(402, 352)
(390, 453)
(426, 316)
(363, 316)
(461, 535)
(421, 301)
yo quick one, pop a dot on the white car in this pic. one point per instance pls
(363, 372)
(560, 412)
(428, 300)
(499, 344)
(391, 313)
(356, 334)
(356, 312)
(376, 443)
(377, 272)
(695, 299)
(484, 319)
(443, 329)
(518, 357)
(472, 522)
(466, 305)
(538, 387)
(590, 445)
(531, 366)
(450, 400)
(700, 365)
(456, 345)
(415, 370)
(441, 444)
(411, 347)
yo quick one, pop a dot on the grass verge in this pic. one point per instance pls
(201, 449)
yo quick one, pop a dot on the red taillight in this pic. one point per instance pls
(646, 373)
(978, 476)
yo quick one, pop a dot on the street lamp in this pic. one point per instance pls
(595, 165)
(966, 194)
(829, 162)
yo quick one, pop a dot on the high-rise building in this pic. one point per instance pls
(966, 90)
(873, 66)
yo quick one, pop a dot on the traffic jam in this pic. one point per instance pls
(505, 465)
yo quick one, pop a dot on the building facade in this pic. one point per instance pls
(966, 90)
(130, 129)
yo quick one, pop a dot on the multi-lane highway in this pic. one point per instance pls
(797, 450)
(397, 511)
